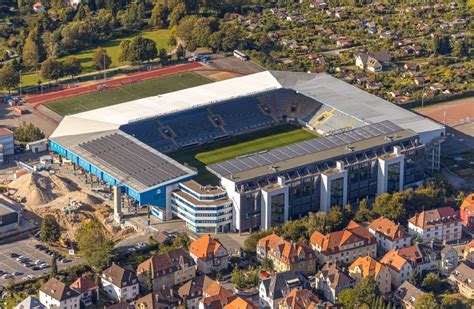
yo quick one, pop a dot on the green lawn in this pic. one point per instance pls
(236, 146)
(112, 47)
(126, 93)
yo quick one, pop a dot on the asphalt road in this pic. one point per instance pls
(26, 248)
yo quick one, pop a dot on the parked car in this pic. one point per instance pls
(14, 255)
(17, 273)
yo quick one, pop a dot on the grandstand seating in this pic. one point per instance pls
(204, 124)
(148, 132)
(192, 127)
(242, 114)
(328, 119)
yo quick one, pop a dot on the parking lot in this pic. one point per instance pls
(27, 249)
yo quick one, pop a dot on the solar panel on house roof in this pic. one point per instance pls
(303, 148)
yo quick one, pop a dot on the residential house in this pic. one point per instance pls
(209, 254)
(463, 275)
(373, 62)
(119, 283)
(442, 224)
(400, 267)
(38, 7)
(30, 302)
(343, 41)
(192, 290)
(421, 80)
(216, 296)
(330, 280)
(389, 235)
(406, 295)
(366, 267)
(168, 269)
(467, 212)
(88, 290)
(164, 298)
(240, 303)
(55, 294)
(299, 299)
(344, 246)
(287, 255)
(449, 260)
(468, 252)
(274, 289)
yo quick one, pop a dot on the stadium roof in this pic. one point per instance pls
(321, 87)
(308, 152)
(126, 159)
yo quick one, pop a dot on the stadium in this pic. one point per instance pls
(353, 145)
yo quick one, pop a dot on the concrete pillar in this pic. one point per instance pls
(383, 164)
(326, 181)
(117, 204)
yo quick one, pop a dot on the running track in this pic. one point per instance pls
(36, 100)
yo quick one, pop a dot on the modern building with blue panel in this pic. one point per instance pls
(120, 160)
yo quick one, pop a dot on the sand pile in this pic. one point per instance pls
(40, 188)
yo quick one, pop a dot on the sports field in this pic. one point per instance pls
(139, 90)
(239, 145)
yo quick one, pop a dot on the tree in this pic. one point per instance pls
(33, 51)
(364, 213)
(451, 302)
(317, 222)
(159, 14)
(50, 231)
(94, 245)
(335, 219)
(245, 281)
(137, 50)
(267, 264)
(101, 59)
(163, 55)
(460, 49)
(149, 280)
(364, 293)
(391, 206)
(54, 267)
(132, 18)
(433, 283)
(181, 241)
(426, 301)
(52, 69)
(72, 67)
(177, 14)
(9, 77)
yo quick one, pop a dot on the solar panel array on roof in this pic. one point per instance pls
(127, 158)
(245, 163)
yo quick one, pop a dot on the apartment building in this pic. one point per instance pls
(344, 246)
(366, 267)
(168, 269)
(209, 254)
(287, 255)
(437, 224)
(389, 235)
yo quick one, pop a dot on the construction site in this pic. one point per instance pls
(65, 194)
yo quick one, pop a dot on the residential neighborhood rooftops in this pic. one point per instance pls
(30, 302)
(388, 228)
(300, 299)
(58, 290)
(207, 247)
(333, 242)
(468, 203)
(367, 266)
(336, 276)
(119, 276)
(161, 264)
(407, 292)
(434, 217)
(83, 284)
(464, 274)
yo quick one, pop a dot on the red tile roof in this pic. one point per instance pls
(434, 217)
(206, 247)
(83, 284)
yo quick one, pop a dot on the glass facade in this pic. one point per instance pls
(278, 209)
(393, 178)
(304, 196)
(337, 192)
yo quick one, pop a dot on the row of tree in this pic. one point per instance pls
(398, 207)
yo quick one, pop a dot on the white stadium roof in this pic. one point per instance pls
(321, 87)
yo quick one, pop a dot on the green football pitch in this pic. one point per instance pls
(126, 93)
(236, 146)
